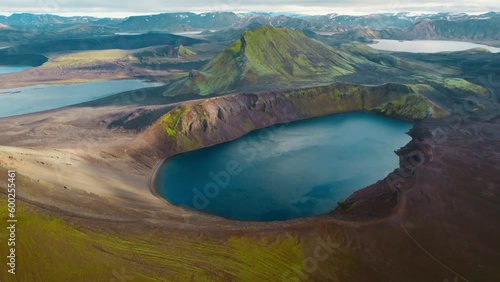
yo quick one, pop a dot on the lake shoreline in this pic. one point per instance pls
(34, 97)
(94, 183)
(158, 146)
(106, 148)
(115, 154)
(353, 125)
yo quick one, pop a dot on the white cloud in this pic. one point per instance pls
(128, 7)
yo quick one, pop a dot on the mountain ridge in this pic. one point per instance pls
(267, 55)
(184, 21)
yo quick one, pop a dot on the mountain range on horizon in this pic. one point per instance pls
(227, 26)
(217, 20)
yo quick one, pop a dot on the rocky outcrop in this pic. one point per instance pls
(200, 124)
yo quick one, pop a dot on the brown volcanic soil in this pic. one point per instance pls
(94, 65)
(62, 75)
(437, 224)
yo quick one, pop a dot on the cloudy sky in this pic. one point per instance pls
(123, 8)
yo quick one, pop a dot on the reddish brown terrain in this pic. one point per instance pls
(88, 210)
(431, 220)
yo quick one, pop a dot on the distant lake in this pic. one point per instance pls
(129, 33)
(287, 171)
(188, 32)
(9, 69)
(175, 33)
(31, 99)
(428, 46)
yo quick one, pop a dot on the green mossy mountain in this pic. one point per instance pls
(267, 55)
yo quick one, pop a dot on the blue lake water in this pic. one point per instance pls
(9, 69)
(428, 46)
(31, 99)
(287, 171)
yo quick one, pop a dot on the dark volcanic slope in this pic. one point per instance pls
(180, 21)
(468, 29)
(477, 30)
(100, 43)
(34, 60)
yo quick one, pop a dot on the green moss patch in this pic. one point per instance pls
(50, 249)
